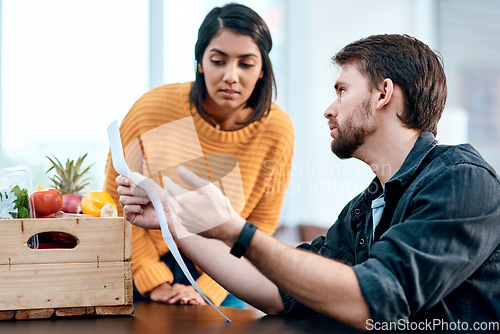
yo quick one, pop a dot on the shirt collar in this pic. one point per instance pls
(424, 144)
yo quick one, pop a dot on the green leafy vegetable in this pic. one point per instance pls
(22, 203)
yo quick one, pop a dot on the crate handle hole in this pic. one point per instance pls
(52, 240)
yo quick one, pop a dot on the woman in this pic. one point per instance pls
(230, 103)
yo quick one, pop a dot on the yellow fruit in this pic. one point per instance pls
(94, 201)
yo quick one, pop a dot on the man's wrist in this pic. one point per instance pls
(232, 230)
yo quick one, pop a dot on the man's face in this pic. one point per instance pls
(350, 117)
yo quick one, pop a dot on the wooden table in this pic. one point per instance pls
(153, 318)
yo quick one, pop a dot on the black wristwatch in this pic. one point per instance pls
(240, 246)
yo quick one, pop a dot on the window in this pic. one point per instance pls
(68, 68)
(469, 36)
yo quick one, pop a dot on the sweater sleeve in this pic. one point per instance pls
(147, 268)
(211, 289)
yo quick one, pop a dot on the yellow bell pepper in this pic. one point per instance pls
(94, 201)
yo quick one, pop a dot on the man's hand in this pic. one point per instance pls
(176, 294)
(204, 210)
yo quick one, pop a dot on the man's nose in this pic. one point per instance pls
(330, 112)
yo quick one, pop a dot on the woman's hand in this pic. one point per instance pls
(137, 208)
(176, 294)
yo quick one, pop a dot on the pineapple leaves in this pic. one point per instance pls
(68, 178)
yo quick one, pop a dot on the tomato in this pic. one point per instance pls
(46, 202)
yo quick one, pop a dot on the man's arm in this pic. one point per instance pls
(324, 285)
(237, 275)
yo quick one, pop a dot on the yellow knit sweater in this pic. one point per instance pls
(263, 151)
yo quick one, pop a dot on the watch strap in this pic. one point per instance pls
(240, 246)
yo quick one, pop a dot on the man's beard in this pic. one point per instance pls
(353, 135)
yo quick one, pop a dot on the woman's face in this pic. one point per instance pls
(231, 64)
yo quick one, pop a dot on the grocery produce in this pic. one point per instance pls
(65, 198)
(108, 210)
(94, 201)
(46, 202)
(72, 203)
(14, 203)
(15, 187)
(70, 181)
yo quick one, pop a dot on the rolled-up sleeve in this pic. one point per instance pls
(447, 229)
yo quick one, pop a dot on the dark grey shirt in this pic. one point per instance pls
(436, 251)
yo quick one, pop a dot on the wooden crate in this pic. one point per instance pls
(95, 277)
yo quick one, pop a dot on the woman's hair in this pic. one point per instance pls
(244, 21)
(411, 65)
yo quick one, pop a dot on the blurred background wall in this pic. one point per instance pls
(69, 68)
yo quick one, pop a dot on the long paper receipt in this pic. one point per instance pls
(121, 167)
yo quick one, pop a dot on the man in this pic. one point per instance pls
(421, 242)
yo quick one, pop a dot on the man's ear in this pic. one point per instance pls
(385, 93)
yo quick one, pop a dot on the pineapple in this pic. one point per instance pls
(69, 179)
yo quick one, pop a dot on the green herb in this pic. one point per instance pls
(22, 203)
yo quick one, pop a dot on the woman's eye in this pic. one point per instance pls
(217, 62)
(246, 65)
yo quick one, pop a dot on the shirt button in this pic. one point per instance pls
(361, 242)
(357, 211)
